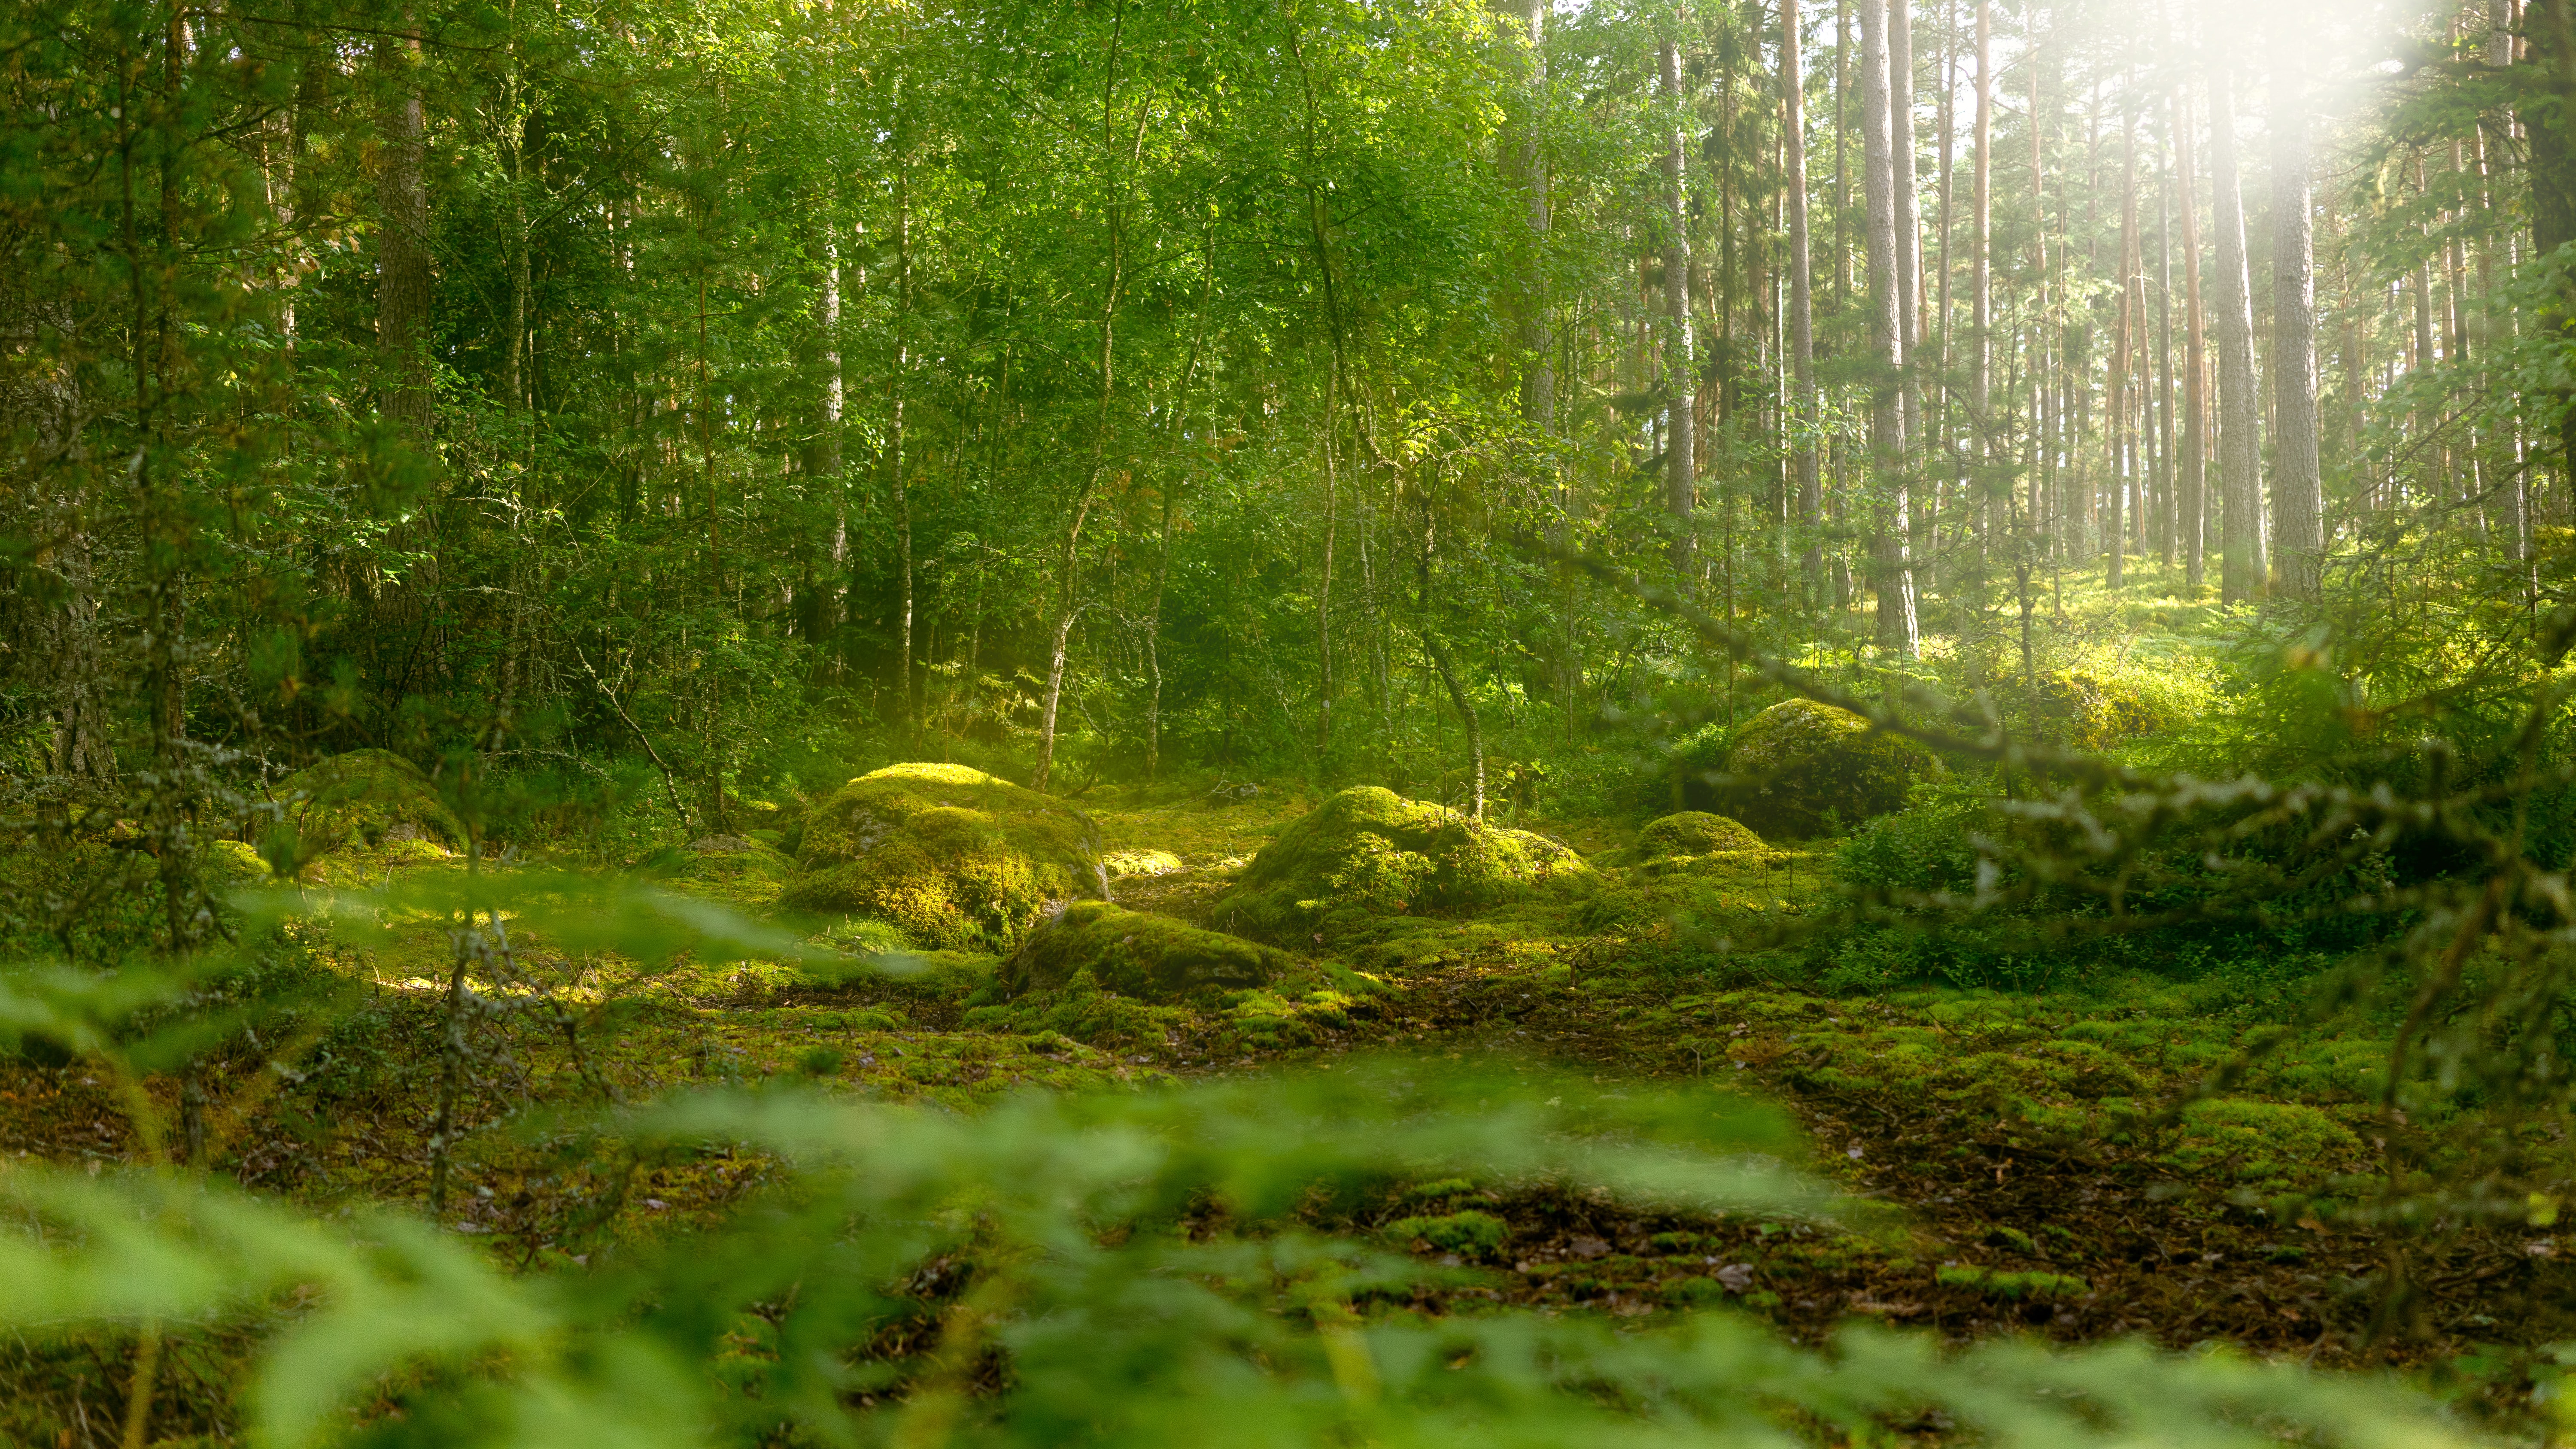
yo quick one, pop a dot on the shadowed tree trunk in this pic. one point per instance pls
(402, 243)
(2193, 504)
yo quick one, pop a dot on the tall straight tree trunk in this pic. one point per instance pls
(2516, 520)
(2298, 487)
(2193, 502)
(2116, 409)
(2166, 508)
(2549, 126)
(1681, 470)
(1981, 300)
(2240, 459)
(1897, 625)
(402, 245)
(1538, 342)
(1802, 315)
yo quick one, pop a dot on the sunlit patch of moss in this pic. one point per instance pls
(1123, 864)
(1469, 1233)
(1368, 852)
(1139, 954)
(1083, 1009)
(954, 858)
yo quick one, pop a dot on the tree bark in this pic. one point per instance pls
(1802, 326)
(1528, 163)
(2239, 448)
(2549, 124)
(1897, 626)
(2298, 489)
(1981, 305)
(1681, 468)
(2194, 500)
(402, 242)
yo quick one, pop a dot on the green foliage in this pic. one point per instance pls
(1051, 1237)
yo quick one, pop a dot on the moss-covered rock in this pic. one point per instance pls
(1136, 953)
(365, 797)
(2083, 711)
(1369, 851)
(1800, 769)
(738, 868)
(954, 858)
(1695, 832)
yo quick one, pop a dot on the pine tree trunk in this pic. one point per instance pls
(1528, 163)
(1802, 326)
(1681, 471)
(2239, 446)
(2298, 488)
(402, 243)
(1897, 626)
(1981, 301)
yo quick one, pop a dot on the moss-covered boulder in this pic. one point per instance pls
(365, 797)
(1801, 769)
(954, 858)
(2081, 711)
(1138, 954)
(1370, 851)
(1695, 832)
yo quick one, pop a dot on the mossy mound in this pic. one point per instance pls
(1695, 832)
(2081, 711)
(365, 797)
(1138, 954)
(738, 868)
(1369, 851)
(954, 858)
(1801, 769)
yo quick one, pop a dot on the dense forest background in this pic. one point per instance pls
(1109, 390)
(817, 721)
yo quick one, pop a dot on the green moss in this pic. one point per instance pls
(1369, 852)
(1995, 1283)
(1801, 769)
(1695, 832)
(737, 868)
(2085, 711)
(951, 856)
(363, 797)
(1469, 1234)
(1138, 954)
(2260, 1143)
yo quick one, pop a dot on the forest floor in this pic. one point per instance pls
(2043, 1160)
